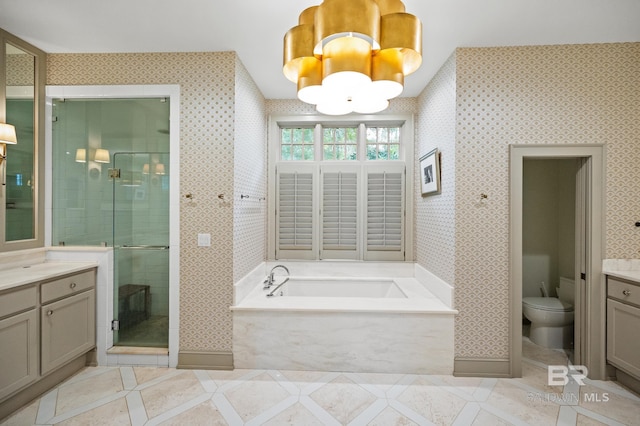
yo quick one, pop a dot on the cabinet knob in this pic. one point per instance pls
(72, 285)
(626, 292)
(49, 312)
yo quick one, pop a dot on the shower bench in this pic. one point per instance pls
(126, 294)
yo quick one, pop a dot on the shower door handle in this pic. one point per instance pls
(143, 247)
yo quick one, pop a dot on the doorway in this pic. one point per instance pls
(588, 251)
(549, 239)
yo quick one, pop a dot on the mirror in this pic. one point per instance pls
(22, 74)
(19, 169)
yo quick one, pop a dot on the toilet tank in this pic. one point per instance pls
(566, 290)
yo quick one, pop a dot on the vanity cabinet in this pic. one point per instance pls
(18, 340)
(623, 323)
(46, 325)
(67, 320)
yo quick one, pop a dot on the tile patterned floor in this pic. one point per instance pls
(163, 396)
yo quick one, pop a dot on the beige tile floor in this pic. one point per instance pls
(153, 396)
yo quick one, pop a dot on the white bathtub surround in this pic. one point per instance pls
(377, 342)
(435, 285)
(244, 286)
(403, 328)
(329, 268)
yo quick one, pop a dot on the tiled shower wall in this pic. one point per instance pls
(570, 94)
(208, 107)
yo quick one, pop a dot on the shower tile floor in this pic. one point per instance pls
(154, 396)
(151, 332)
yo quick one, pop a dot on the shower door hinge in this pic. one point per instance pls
(114, 173)
(115, 325)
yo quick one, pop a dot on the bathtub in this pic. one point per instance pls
(338, 323)
(340, 287)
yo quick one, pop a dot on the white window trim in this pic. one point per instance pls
(405, 121)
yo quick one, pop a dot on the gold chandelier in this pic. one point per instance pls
(352, 55)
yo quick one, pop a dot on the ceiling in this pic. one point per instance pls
(255, 28)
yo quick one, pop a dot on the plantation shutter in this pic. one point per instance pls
(294, 214)
(339, 212)
(385, 213)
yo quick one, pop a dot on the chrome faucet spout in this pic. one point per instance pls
(271, 279)
(279, 266)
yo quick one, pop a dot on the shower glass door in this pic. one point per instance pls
(141, 248)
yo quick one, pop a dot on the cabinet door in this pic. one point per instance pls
(67, 329)
(623, 345)
(18, 352)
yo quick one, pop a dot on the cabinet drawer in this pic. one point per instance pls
(18, 301)
(67, 286)
(623, 291)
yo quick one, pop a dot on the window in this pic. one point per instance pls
(340, 143)
(340, 191)
(296, 144)
(383, 143)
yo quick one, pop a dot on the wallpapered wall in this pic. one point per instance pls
(482, 100)
(570, 94)
(20, 70)
(215, 90)
(250, 176)
(436, 128)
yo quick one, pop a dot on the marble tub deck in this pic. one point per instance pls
(413, 334)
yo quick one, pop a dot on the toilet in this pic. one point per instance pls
(552, 317)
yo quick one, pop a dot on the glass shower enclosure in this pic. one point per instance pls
(111, 188)
(141, 248)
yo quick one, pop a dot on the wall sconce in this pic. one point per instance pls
(81, 155)
(160, 169)
(102, 156)
(8, 134)
(145, 169)
(7, 137)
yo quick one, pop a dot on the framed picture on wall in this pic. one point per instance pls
(430, 172)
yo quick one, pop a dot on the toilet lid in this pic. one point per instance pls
(547, 304)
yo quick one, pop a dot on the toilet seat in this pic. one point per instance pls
(552, 304)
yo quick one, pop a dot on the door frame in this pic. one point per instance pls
(104, 295)
(593, 332)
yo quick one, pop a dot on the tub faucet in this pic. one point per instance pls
(270, 279)
(277, 287)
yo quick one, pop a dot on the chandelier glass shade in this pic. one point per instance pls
(352, 55)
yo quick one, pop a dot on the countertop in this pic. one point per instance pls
(625, 275)
(15, 277)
